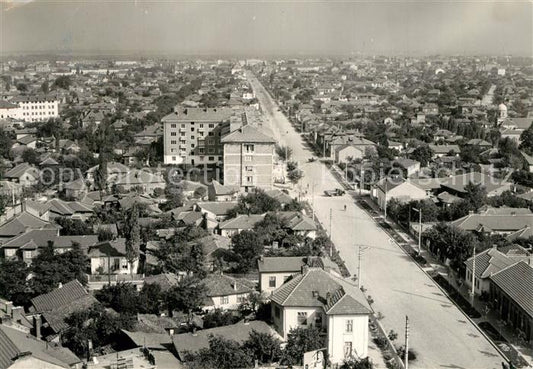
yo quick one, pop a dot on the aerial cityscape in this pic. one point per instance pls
(266, 184)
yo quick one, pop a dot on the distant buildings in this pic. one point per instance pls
(30, 108)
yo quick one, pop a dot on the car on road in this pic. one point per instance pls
(335, 192)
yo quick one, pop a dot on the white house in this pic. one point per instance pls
(396, 188)
(110, 257)
(226, 293)
(336, 306)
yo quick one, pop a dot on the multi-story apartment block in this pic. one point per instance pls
(36, 108)
(248, 159)
(192, 135)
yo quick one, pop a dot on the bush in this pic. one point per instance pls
(381, 342)
(411, 356)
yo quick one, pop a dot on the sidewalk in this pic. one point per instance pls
(435, 265)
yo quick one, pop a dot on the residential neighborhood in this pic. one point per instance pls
(343, 205)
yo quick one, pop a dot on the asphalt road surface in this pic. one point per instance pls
(440, 334)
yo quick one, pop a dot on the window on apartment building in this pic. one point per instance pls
(211, 150)
(249, 148)
(173, 158)
(247, 158)
(173, 133)
(173, 125)
(302, 318)
(224, 300)
(192, 129)
(271, 281)
(249, 168)
(192, 137)
(349, 325)
(277, 311)
(249, 179)
(211, 158)
(201, 125)
(211, 125)
(201, 150)
(201, 134)
(210, 134)
(347, 349)
(182, 134)
(183, 126)
(172, 142)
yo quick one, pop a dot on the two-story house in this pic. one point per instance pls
(326, 301)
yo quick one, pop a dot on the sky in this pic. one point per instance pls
(263, 28)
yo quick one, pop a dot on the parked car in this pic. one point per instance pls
(335, 192)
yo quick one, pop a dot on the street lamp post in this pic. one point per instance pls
(360, 249)
(419, 211)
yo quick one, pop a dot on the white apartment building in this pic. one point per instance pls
(30, 108)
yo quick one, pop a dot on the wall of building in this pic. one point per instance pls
(248, 169)
(264, 279)
(338, 336)
(232, 303)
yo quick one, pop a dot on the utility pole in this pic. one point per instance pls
(406, 359)
(359, 268)
(313, 198)
(330, 216)
(361, 180)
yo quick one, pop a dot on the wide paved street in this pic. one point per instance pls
(440, 334)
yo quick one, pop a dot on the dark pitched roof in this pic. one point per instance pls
(14, 343)
(318, 288)
(67, 294)
(489, 262)
(192, 342)
(223, 285)
(22, 222)
(277, 264)
(517, 282)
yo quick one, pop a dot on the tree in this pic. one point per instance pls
(45, 88)
(263, 347)
(182, 255)
(187, 296)
(13, 286)
(30, 156)
(452, 243)
(96, 325)
(150, 298)
(475, 195)
(100, 174)
(219, 318)
(526, 141)
(5, 143)
(248, 246)
(357, 364)
(284, 152)
(4, 201)
(73, 227)
(423, 154)
(133, 235)
(121, 297)
(257, 202)
(299, 341)
(222, 353)
(49, 268)
(63, 82)
(295, 175)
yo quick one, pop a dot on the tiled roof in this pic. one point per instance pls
(23, 222)
(498, 222)
(14, 342)
(240, 332)
(41, 237)
(517, 282)
(489, 262)
(56, 317)
(221, 190)
(297, 221)
(242, 222)
(115, 247)
(318, 288)
(21, 169)
(149, 340)
(212, 243)
(217, 207)
(247, 134)
(165, 280)
(7, 105)
(223, 285)
(67, 294)
(279, 195)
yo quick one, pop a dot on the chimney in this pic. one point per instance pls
(234, 285)
(305, 268)
(315, 294)
(37, 323)
(328, 298)
(9, 308)
(60, 285)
